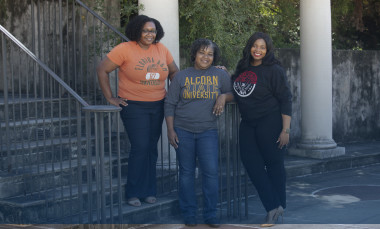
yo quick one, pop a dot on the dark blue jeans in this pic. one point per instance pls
(263, 160)
(143, 123)
(203, 146)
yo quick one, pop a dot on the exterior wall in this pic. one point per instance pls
(356, 93)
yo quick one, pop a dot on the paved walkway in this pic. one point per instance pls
(341, 199)
(181, 226)
(279, 226)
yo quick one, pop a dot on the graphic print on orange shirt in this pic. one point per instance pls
(152, 76)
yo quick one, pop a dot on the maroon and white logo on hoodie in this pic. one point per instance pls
(245, 83)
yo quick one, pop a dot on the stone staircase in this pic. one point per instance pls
(47, 176)
(45, 165)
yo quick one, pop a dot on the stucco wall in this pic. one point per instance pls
(356, 93)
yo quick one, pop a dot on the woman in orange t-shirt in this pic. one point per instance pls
(144, 65)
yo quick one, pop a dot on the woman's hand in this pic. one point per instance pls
(283, 139)
(173, 138)
(221, 67)
(118, 101)
(219, 105)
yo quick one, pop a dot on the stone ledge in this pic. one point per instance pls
(318, 153)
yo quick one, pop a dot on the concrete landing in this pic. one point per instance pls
(337, 199)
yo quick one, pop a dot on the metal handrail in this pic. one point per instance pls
(102, 20)
(97, 110)
(55, 76)
(44, 66)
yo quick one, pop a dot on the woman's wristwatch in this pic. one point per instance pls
(287, 131)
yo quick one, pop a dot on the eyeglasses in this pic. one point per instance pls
(149, 31)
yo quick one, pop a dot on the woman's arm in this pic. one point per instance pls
(103, 69)
(221, 102)
(172, 135)
(283, 139)
(173, 69)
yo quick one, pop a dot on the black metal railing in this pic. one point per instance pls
(49, 147)
(62, 159)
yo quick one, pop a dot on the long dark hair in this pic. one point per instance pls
(245, 61)
(135, 26)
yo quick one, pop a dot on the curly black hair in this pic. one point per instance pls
(245, 61)
(134, 28)
(203, 43)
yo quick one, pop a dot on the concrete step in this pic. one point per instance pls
(61, 204)
(357, 154)
(130, 215)
(37, 178)
(52, 204)
(31, 108)
(39, 129)
(17, 156)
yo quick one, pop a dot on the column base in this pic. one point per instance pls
(318, 153)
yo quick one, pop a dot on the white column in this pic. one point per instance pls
(166, 12)
(316, 82)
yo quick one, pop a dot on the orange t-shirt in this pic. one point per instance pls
(142, 73)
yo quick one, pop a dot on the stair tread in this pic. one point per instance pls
(41, 143)
(24, 99)
(36, 121)
(54, 167)
(57, 193)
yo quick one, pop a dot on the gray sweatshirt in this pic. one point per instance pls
(192, 95)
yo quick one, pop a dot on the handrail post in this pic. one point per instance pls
(5, 88)
(89, 165)
(99, 127)
(99, 111)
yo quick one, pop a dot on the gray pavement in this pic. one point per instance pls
(278, 226)
(342, 199)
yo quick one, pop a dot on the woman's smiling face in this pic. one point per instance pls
(258, 51)
(204, 58)
(148, 35)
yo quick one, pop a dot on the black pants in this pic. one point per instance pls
(263, 160)
(143, 123)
